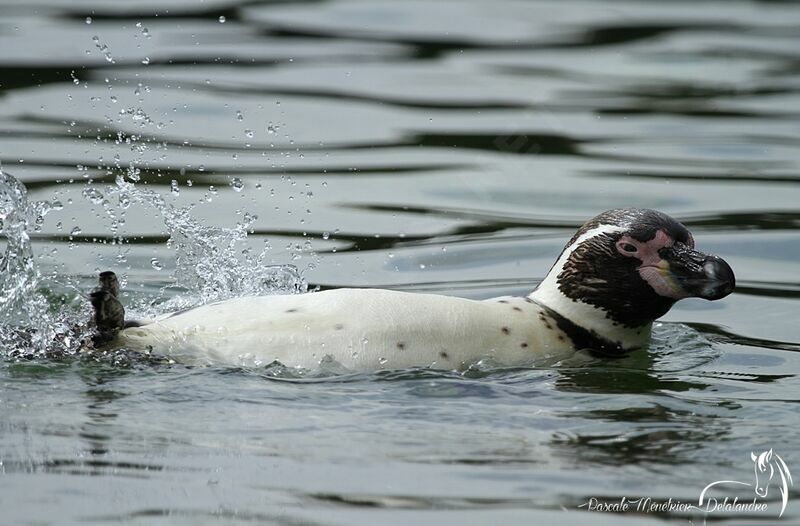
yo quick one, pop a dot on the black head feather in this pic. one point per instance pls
(596, 274)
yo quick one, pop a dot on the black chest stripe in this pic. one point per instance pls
(585, 339)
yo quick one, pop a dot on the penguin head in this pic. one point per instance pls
(627, 267)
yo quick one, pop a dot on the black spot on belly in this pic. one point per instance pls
(338, 326)
(517, 309)
(523, 344)
(401, 345)
(502, 301)
(505, 330)
(288, 311)
(443, 354)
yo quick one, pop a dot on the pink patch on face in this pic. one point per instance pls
(662, 283)
(651, 269)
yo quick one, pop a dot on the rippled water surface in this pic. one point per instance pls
(446, 146)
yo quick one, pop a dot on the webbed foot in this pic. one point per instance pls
(109, 314)
(109, 282)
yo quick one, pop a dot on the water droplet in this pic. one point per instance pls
(271, 128)
(156, 264)
(221, 19)
(382, 361)
(201, 168)
(237, 184)
(103, 49)
(88, 20)
(93, 195)
(134, 173)
(248, 133)
(75, 231)
(326, 235)
(173, 188)
(239, 115)
(146, 60)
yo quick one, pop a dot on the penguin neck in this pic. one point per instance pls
(588, 326)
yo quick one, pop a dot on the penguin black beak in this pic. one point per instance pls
(698, 274)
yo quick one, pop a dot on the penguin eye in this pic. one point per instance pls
(627, 247)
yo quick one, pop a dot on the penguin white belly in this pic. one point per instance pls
(362, 329)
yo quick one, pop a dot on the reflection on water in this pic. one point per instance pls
(436, 146)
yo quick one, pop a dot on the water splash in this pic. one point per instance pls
(210, 267)
(28, 325)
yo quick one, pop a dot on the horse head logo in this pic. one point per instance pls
(766, 465)
(764, 471)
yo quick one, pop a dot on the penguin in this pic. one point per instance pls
(621, 270)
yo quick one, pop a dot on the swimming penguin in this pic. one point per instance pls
(620, 271)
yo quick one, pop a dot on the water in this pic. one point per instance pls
(431, 146)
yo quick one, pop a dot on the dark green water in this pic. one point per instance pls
(447, 146)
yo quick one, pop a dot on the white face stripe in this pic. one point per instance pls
(551, 280)
(583, 314)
